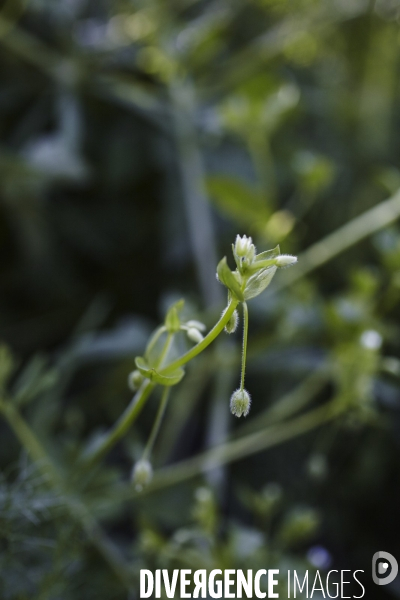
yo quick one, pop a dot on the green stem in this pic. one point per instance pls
(157, 422)
(123, 424)
(237, 449)
(244, 350)
(125, 421)
(210, 337)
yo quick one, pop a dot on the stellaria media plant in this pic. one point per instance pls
(251, 277)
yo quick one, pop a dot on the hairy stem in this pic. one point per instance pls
(244, 348)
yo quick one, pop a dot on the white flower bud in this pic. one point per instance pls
(194, 335)
(142, 474)
(240, 403)
(135, 380)
(232, 324)
(244, 248)
(285, 260)
(196, 324)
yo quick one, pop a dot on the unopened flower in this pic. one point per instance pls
(232, 324)
(285, 260)
(240, 403)
(135, 380)
(244, 250)
(194, 335)
(142, 474)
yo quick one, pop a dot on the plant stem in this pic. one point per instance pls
(157, 422)
(76, 508)
(123, 424)
(341, 239)
(244, 348)
(210, 337)
(131, 413)
(240, 448)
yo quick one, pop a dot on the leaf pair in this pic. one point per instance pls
(156, 377)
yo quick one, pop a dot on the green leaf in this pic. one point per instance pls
(149, 372)
(172, 321)
(268, 254)
(228, 278)
(258, 282)
(239, 200)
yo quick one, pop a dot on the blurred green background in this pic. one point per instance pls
(137, 139)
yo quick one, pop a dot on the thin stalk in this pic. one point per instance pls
(240, 448)
(341, 239)
(157, 422)
(210, 337)
(244, 348)
(123, 424)
(125, 421)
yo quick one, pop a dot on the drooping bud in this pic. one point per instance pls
(240, 403)
(194, 335)
(142, 474)
(135, 380)
(232, 324)
(285, 260)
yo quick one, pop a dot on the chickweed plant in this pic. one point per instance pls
(253, 273)
(161, 365)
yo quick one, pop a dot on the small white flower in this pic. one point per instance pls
(244, 248)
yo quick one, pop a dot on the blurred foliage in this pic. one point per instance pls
(137, 138)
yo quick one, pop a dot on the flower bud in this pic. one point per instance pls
(232, 324)
(240, 403)
(285, 260)
(194, 335)
(196, 324)
(142, 474)
(135, 380)
(245, 249)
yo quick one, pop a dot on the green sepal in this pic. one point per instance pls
(172, 321)
(227, 277)
(149, 372)
(268, 254)
(258, 282)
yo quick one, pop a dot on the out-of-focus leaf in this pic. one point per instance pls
(238, 200)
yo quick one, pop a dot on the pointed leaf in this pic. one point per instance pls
(172, 321)
(228, 278)
(258, 282)
(268, 254)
